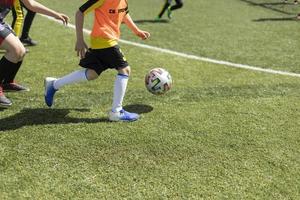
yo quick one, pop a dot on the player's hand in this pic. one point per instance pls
(81, 48)
(64, 18)
(143, 34)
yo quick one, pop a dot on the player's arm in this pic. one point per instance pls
(39, 8)
(81, 47)
(133, 27)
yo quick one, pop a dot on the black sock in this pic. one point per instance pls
(5, 68)
(27, 24)
(12, 72)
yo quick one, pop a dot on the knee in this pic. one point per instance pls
(91, 74)
(125, 70)
(18, 53)
(21, 53)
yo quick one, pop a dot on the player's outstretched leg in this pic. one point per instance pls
(53, 84)
(49, 90)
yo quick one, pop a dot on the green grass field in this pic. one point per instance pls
(220, 133)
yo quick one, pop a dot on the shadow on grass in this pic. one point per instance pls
(1, 109)
(144, 21)
(276, 19)
(43, 116)
(269, 6)
(275, 3)
(40, 116)
(138, 108)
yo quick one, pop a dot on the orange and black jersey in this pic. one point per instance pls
(93, 4)
(108, 16)
(90, 5)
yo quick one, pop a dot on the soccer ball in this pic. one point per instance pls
(158, 81)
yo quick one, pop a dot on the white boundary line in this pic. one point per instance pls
(194, 57)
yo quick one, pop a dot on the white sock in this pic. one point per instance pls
(119, 92)
(73, 77)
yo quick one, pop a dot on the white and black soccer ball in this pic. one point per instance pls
(158, 81)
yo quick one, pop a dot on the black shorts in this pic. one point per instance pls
(103, 59)
(5, 30)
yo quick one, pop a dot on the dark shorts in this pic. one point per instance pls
(103, 59)
(5, 30)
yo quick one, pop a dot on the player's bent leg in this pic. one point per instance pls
(10, 62)
(15, 52)
(118, 113)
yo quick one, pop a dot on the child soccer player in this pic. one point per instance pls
(15, 51)
(103, 54)
(9, 84)
(167, 6)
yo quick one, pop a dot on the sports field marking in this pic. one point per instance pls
(194, 57)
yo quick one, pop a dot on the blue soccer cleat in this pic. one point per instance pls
(123, 116)
(49, 90)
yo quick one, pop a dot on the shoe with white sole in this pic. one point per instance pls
(49, 90)
(123, 116)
